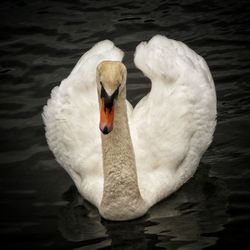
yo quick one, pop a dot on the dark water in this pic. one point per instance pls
(40, 43)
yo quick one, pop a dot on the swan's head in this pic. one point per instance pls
(111, 79)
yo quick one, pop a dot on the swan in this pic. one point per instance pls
(122, 159)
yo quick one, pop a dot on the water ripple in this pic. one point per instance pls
(42, 40)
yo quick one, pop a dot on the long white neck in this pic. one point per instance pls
(121, 195)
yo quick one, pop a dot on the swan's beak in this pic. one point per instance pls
(107, 116)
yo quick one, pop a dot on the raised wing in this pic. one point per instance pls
(71, 119)
(173, 125)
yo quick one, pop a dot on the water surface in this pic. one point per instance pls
(41, 41)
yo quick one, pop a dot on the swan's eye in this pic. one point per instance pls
(100, 87)
(117, 91)
(103, 91)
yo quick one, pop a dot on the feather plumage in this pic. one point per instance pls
(171, 127)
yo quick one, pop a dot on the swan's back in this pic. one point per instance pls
(173, 125)
(71, 120)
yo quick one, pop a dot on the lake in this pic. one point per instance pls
(41, 42)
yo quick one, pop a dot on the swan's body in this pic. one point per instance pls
(153, 148)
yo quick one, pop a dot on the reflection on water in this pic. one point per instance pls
(185, 219)
(41, 42)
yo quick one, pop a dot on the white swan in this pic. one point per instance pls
(146, 153)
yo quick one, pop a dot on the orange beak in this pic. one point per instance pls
(106, 117)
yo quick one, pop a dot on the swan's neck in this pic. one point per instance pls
(121, 196)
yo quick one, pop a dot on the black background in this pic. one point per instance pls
(40, 43)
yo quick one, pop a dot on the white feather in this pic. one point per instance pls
(170, 128)
(173, 125)
(72, 122)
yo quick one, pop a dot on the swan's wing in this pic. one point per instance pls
(173, 125)
(71, 119)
